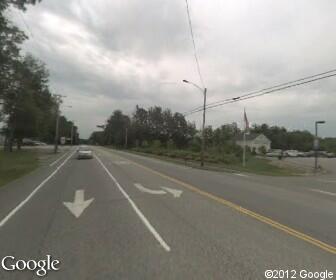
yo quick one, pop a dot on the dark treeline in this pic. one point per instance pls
(145, 127)
(28, 108)
(158, 128)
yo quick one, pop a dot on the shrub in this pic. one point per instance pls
(171, 145)
(144, 144)
(156, 144)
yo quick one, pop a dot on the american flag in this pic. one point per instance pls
(246, 122)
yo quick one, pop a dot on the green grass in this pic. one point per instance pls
(16, 164)
(229, 162)
(264, 167)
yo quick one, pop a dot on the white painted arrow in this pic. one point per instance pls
(143, 189)
(78, 206)
(174, 192)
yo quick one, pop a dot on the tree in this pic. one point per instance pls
(15, 108)
(28, 105)
(115, 130)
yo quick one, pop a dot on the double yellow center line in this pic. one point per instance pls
(261, 218)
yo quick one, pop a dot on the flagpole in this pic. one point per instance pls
(244, 150)
(244, 138)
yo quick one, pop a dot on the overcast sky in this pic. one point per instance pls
(113, 54)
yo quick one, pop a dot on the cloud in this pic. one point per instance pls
(105, 55)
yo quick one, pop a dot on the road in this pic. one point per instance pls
(124, 216)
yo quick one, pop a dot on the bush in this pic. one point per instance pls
(171, 145)
(195, 144)
(156, 144)
(262, 150)
(144, 144)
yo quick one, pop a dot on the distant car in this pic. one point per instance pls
(84, 152)
(292, 153)
(274, 153)
(309, 154)
(331, 155)
(301, 154)
(39, 143)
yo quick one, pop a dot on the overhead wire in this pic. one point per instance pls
(261, 93)
(194, 44)
(265, 89)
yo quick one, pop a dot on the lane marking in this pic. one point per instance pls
(324, 192)
(326, 247)
(79, 205)
(23, 202)
(57, 160)
(174, 192)
(327, 181)
(121, 162)
(136, 209)
(241, 175)
(143, 189)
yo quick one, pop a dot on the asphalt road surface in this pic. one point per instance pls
(124, 216)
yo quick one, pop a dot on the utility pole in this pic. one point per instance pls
(126, 137)
(58, 99)
(244, 150)
(57, 129)
(72, 126)
(203, 128)
(316, 143)
(204, 91)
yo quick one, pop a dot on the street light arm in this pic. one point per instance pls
(195, 85)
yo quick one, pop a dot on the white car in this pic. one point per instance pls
(84, 152)
(292, 153)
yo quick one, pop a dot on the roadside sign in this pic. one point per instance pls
(62, 140)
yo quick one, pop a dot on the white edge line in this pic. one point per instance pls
(57, 160)
(241, 175)
(324, 192)
(136, 209)
(327, 181)
(23, 202)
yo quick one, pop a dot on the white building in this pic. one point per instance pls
(254, 141)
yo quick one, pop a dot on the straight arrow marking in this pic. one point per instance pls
(79, 205)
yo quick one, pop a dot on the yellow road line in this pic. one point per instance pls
(288, 230)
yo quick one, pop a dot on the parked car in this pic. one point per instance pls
(30, 142)
(274, 153)
(301, 154)
(291, 153)
(309, 154)
(84, 152)
(331, 155)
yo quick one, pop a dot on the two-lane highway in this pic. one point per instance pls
(120, 216)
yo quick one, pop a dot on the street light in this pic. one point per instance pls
(316, 142)
(204, 91)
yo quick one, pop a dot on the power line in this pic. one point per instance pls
(194, 44)
(26, 25)
(264, 89)
(250, 96)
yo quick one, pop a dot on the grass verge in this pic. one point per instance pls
(16, 164)
(255, 165)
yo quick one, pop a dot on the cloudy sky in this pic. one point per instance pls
(113, 54)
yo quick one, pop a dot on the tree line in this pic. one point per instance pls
(28, 108)
(161, 128)
(144, 127)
